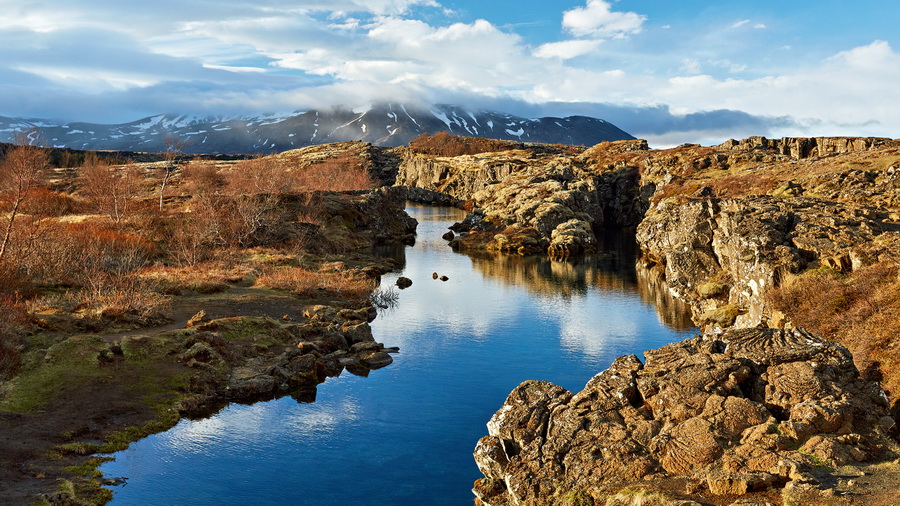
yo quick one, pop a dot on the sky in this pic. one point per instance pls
(668, 71)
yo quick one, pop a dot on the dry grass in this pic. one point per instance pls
(14, 323)
(309, 283)
(206, 278)
(860, 310)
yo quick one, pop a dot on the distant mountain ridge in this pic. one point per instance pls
(384, 124)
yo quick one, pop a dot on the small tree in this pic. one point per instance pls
(20, 173)
(110, 189)
(174, 147)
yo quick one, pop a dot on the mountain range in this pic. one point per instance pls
(384, 124)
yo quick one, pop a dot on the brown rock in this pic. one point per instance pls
(198, 319)
(746, 410)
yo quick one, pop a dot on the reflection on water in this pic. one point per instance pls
(405, 434)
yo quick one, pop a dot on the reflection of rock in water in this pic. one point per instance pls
(545, 276)
(652, 287)
(395, 252)
(613, 272)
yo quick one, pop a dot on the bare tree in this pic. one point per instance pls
(174, 147)
(111, 189)
(20, 173)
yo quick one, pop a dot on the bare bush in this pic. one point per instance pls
(112, 190)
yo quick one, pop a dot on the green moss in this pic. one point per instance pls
(245, 328)
(137, 349)
(579, 498)
(120, 440)
(77, 449)
(67, 364)
(89, 468)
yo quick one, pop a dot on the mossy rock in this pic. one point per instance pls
(722, 316)
(711, 289)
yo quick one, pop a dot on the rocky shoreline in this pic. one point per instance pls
(745, 411)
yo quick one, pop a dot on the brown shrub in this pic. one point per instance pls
(22, 170)
(43, 202)
(342, 173)
(743, 184)
(262, 175)
(75, 254)
(444, 144)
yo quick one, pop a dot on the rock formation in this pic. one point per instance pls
(743, 411)
(742, 408)
(534, 200)
(328, 342)
(805, 147)
(718, 253)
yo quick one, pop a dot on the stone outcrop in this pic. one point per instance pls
(716, 253)
(804, 147)
(351, 220)
(533, 200)
(728, 414)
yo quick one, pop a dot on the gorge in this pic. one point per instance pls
(783, 253)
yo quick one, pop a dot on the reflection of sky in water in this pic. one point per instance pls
(405, 434)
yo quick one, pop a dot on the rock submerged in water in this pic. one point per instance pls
(404, 282)
(747, 410)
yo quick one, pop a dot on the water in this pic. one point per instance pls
(405, 434)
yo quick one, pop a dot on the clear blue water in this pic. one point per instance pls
(405, 434)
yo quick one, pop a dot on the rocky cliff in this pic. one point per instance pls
(533, 200)
(721, 224)
(713, 416)
(722, 255)
(805, 147)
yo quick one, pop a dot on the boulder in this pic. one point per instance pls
(404, 282)
(729, 413)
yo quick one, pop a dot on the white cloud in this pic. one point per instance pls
(598, 19)
(567, 49)
(83, 62)
(690, 66)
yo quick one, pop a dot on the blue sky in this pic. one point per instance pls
(669, 71)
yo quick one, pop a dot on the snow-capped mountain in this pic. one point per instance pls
(381, 124)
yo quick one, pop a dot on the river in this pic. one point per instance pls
(405, 434)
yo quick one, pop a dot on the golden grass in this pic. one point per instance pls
(309, 283)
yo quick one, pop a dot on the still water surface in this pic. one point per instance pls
(405, 434)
